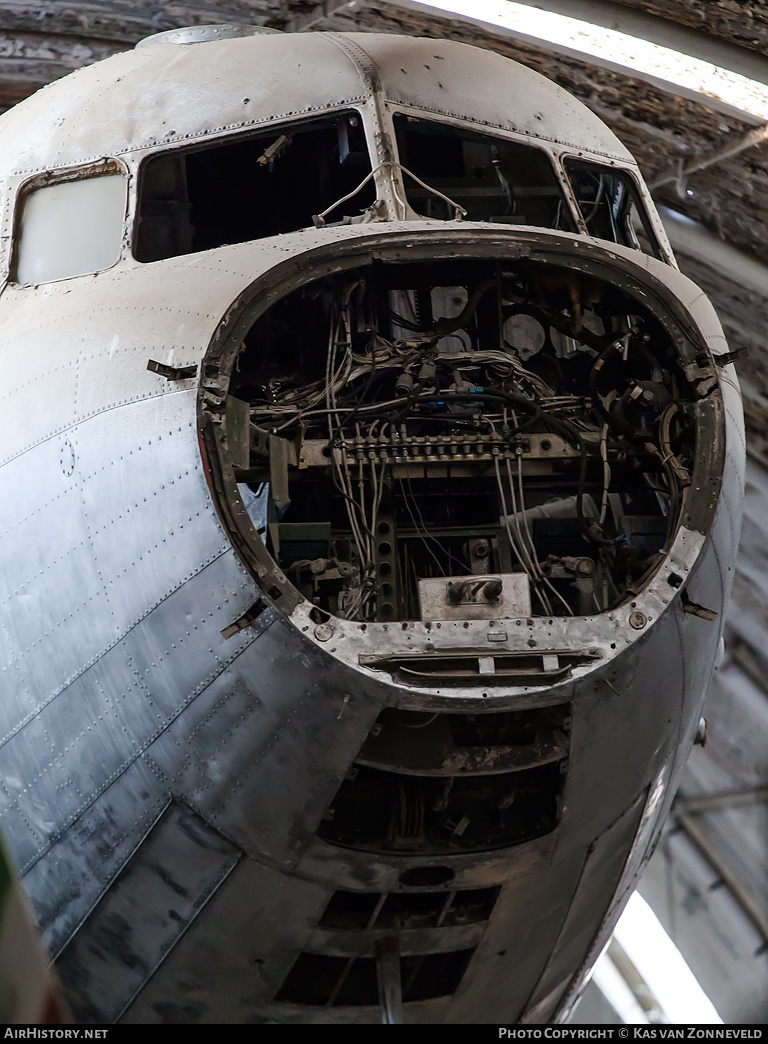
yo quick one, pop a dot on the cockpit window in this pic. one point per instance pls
(611, 206)
(492, 178)
(71, 227)
(251, 188)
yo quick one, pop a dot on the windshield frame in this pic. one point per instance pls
(542, 145)
(268, 128)
(659, 249)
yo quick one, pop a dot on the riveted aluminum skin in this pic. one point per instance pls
(161, 787)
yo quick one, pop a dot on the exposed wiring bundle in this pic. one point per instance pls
(466, 420)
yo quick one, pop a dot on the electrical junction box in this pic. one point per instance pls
(475, 597)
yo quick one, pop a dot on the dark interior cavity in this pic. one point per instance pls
(322, 981)
(252, 187)
(490, 177)
(610, 205)
(450, 783)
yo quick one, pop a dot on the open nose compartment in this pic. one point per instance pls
(463, 439)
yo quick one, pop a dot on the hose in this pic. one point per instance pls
(616, 421)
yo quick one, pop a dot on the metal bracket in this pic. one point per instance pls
(237, 423)
(697, 610)
(385, 558)
(245, 620)
(729, 357)
(172, 373)
(278, 469)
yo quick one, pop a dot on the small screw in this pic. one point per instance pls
(637, 620)
(323, 632)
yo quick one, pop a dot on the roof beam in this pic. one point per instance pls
(740, 886)
(680, 173)
(714, 802)
(662, 31)
(508, 20)
(690, 238)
